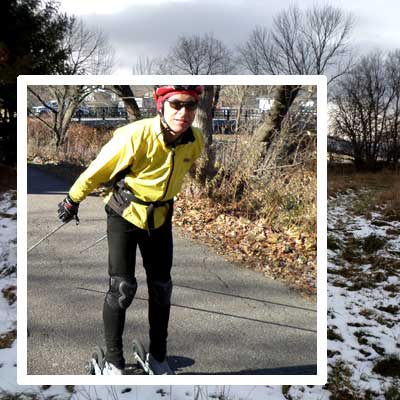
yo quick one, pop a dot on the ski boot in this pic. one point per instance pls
(97, 365)
(149, 365)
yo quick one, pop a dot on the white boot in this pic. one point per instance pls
(111, 369)
(157, 367)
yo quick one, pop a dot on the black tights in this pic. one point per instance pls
(156, 251)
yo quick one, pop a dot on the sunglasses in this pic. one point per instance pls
(177, 105)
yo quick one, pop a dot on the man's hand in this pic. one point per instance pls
(68, 209)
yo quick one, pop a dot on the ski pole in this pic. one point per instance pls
(94, 244)
(52, 232)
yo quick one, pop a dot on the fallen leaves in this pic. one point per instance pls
(288, 254)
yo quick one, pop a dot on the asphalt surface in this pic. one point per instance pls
(225, 319)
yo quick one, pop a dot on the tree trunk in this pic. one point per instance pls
(204, 113)
(126, 94)
(217, 91)
(270, 138)
(283, 99)
(203, 121)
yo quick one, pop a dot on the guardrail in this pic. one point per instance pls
(224, 120)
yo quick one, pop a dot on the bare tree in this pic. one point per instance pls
(367, 109)
(67, 100)
(392, 141)
(313, 41)
(199, 55)
(89, 52)
(146, 66)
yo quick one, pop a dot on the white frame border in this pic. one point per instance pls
(321, 378)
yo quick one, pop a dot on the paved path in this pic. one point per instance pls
(225, 319)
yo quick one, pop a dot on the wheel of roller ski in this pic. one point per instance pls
(96, 362)
(138, 348)
(89, 368)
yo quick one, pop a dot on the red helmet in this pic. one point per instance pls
(162, 93)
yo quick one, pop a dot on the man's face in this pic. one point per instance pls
(179, 118)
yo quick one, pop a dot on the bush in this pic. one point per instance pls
(389, 366)
(284, 197)
(81, 147)
(373, 243)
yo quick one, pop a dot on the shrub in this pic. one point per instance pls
(284, 197)
(339, 382)
(332, 335)
(81, 147)
(388, 366)
(373, 243)
(393, 392)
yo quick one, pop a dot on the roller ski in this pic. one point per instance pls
(147, 363)
(97, 365)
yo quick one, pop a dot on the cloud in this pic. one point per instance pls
(79, 7)
(145, 29)
(151, 31)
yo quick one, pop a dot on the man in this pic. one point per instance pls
(148, 160)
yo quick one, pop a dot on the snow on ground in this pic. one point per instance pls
(363, 293)
(363, 325)
(8, 282)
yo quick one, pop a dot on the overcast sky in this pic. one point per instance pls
(140, 28)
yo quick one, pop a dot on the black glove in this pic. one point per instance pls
(68, 210)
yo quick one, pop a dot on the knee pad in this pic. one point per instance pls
(121, 292)
(160, 292)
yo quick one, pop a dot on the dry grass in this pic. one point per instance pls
(284, 197)
(343, 179)
(7, 339)
(383, 190)
(391, 198)
(9, 294)
(80, 148)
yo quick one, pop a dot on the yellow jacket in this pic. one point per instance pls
(155, 170)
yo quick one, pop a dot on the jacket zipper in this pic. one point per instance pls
(171, 172)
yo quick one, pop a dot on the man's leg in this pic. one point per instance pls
(122, 285)
(157, 252)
